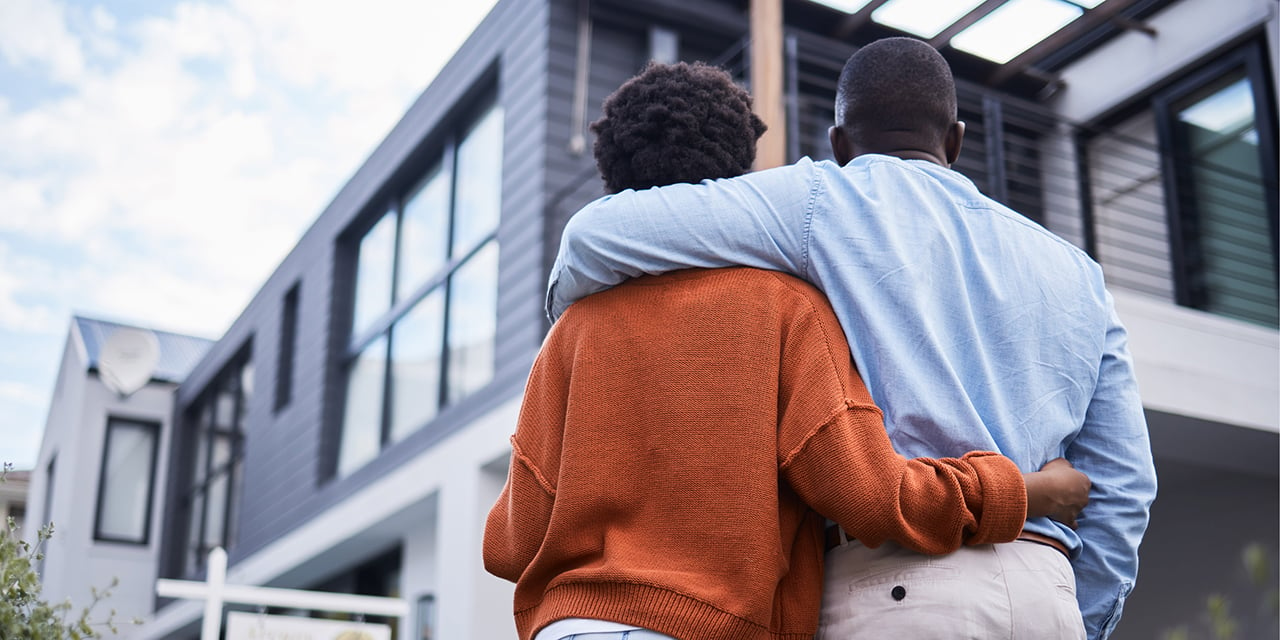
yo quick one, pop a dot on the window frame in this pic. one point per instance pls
(1180, 207)
(154, 428)
(201, 432)
(443, 158)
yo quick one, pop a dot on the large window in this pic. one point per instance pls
(1217, 129)
(216, 440)
(125, 483)
(426, 284)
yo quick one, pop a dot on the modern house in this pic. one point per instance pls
(349, 431)
(99, 475)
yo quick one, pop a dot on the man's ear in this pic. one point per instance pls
(953, 142)
(841, 147)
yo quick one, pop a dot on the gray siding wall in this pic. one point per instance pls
(1129, 208)
(287, 453)
(619, 49)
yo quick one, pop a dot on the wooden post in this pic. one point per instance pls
(766, 81)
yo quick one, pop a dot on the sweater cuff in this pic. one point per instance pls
(1004, 498)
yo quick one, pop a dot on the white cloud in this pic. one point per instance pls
(36, 32)
(185, 151)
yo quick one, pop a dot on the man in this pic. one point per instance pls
(973, 327)
(675, 430)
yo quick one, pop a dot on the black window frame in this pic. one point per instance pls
(233, 373)
(1180, 202)
(355, 340)
(154, 427)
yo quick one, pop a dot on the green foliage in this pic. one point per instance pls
(1217, 621)
(22, 613)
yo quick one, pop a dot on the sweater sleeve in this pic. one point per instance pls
(848, 471)
(518, 521)
(834, 452)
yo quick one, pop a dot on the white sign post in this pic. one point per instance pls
(215, 592)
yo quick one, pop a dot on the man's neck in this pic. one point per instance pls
(906, 154)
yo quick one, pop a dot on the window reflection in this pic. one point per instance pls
(424, 236)
(415, 365)
(451, 214)
(362, 422)
(1231, 248)
(125, 492)
(373, 274)
(218, 421)
(479, 183)
(473, 308)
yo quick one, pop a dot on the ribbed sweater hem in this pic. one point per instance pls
(652, 607)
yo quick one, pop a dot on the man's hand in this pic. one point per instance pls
(1058, 491)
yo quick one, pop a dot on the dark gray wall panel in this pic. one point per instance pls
(285, 450)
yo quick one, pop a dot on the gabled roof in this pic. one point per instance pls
(178, 353)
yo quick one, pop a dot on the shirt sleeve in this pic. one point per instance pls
(1113, 448)
(756, 220)
(835, 453)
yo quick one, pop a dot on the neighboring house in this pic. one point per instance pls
(99, 474)
(349, 431)
(13, 499)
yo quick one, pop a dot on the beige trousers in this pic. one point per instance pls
(1019, 591)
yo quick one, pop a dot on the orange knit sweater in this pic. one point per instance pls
(676, 432)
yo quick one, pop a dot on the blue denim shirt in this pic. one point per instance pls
(973, 327)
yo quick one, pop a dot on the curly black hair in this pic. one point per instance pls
(675, 123)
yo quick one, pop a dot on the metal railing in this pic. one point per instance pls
(1105, 190)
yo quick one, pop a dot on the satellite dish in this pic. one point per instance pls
(128, 359)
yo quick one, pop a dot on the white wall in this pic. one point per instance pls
(1133, 62)
(1201, 365)
(75, 430)
(434, 505)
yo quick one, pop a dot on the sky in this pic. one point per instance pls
(159, 159)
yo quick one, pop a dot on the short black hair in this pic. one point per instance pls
(896, 85)
(675, 123)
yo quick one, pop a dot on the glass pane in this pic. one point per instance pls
(416, 344)
(221, 453)
(216, 494)
(1231, 228)
(362, 419)
(195, 549)
(1014, 28)
(126, 481)
(925, 18)
(479, 183)
(246, 391)
(373, 274)
(424, 232)
(225, 416)
(199, 463)
(473, 310)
